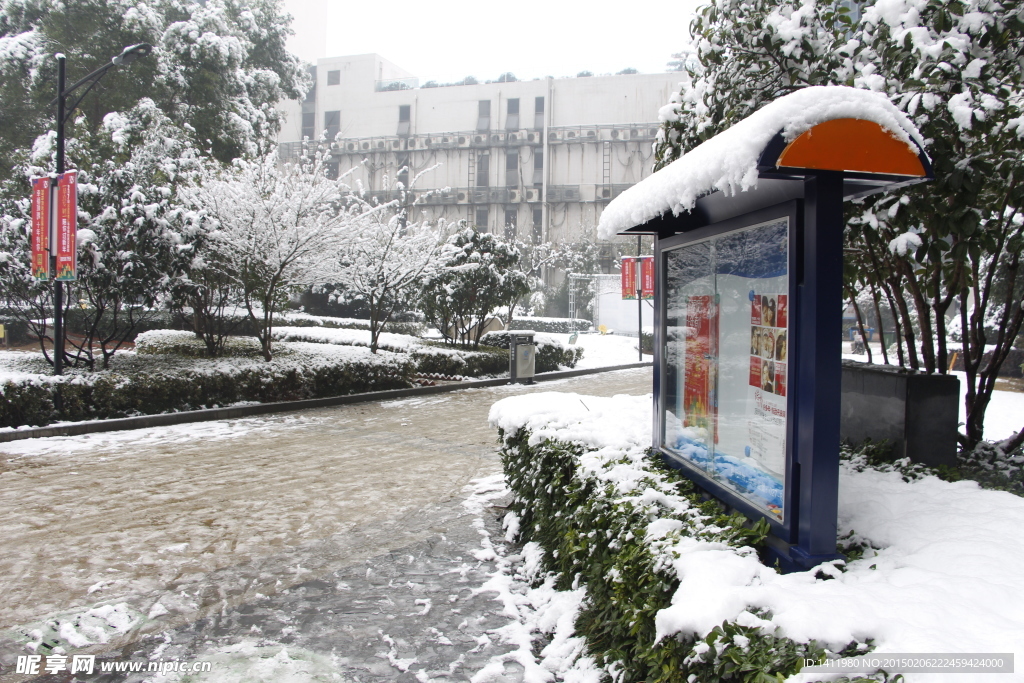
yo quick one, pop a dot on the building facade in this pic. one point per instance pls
(539, 159)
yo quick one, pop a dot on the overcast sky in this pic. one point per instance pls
(447, 41)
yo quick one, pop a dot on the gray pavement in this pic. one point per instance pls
(328, 545)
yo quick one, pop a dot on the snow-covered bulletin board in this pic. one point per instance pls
(724, 401)
(748, 231)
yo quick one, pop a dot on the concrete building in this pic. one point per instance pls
(538, 158)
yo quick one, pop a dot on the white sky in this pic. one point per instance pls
(447, 41)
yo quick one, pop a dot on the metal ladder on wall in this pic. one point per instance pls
(472, 186)
(606, 164)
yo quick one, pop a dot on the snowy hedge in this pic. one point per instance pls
(676, 591)
(141, 385)
(552, 355)
(593, 512)
(553, 325)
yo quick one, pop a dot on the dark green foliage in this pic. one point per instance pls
(550, 357)
(104, 395)
(480, 273)
(595, 537)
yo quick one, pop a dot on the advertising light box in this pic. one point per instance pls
(724, 401)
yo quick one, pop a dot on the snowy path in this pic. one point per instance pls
(193, 521)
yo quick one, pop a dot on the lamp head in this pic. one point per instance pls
(131, 53)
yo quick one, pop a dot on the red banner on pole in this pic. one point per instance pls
(67, 224)
(647, 277)
(629, 278)
(41, 228)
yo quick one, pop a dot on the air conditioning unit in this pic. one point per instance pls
(556, 135)
(479, 197)
(396, 144)
(515, 196)
(513, 138)
(351, 146)
(533, 195)
(462, 197)
(498, 138)
(380, 145)
(589, 134)
(534, 137)
(464, 140)
(571, 135)
(364, 145)
(413, 143)
(480, 139)
(498, 195)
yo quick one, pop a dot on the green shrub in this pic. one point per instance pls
(552, 355)
(135, 389)
(445, 360)
(594, 535)
(181, 343)
(556, 325)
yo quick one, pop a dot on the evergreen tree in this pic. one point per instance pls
(932, 252)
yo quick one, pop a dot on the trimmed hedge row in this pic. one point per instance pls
(451, 361)
(104, 395)
(595, 536)
(556, 325)
(552, 355)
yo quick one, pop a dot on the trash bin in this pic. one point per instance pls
(522, 356)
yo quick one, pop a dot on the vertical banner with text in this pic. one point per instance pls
(67, 223)
(41, 228)
(647, 277)
(629, 265)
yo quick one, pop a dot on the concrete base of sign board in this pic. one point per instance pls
(916, 413)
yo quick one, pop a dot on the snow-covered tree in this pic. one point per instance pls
(384, 260)
(937, 251)
(478, 276)
(279, 227)
(217, 69)
(127, 211)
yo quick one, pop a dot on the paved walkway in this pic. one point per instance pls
(337, 535)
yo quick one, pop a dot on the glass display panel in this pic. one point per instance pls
(726, 360)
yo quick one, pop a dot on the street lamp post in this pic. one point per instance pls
(127, 56)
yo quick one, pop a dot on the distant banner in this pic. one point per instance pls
(41, 228)
(629, 278)
(67, 224)
(647, 277)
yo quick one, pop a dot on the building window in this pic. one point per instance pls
(334, 77)
(309, 125)
(512, 169)
(404, 119)
(538, 167)
(538, 225)
(332, 170)
(483, 121)
(481, 219)
(332, 123)
(483, 167)
(512, 118)
(511, 218)
(538, 113)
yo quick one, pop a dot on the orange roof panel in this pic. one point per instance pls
(851, 145)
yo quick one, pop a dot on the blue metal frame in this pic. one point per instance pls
(785, 530)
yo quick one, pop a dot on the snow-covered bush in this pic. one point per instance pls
(148, 384)
(183, 343)
(483, 362)
(552, 354)
(554, 325)
(591, 512)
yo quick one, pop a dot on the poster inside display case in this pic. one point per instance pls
(726, 360)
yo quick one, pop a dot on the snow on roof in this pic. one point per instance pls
(728, 161)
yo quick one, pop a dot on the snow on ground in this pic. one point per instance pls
(603, 350)
(945, 577)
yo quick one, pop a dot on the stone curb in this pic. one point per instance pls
(164, 419)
